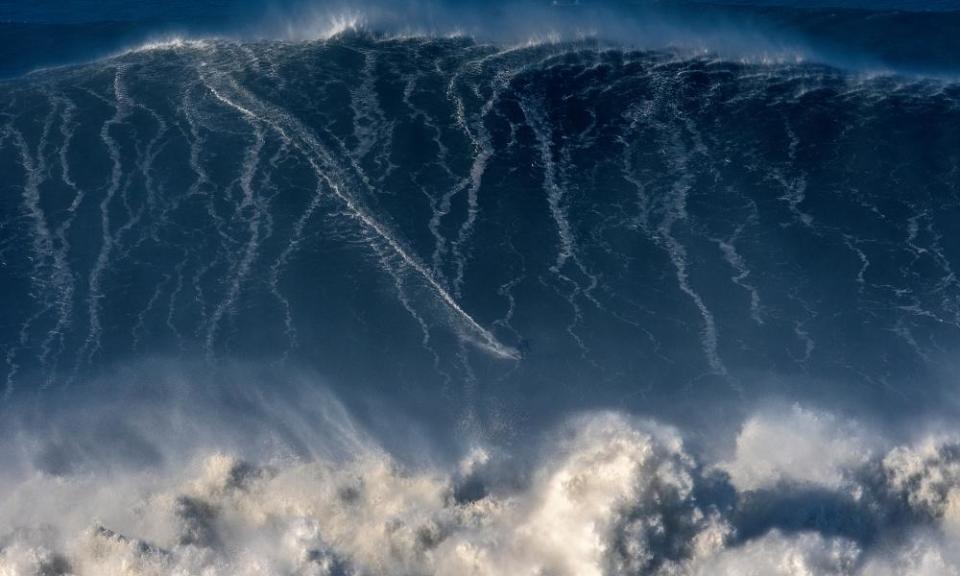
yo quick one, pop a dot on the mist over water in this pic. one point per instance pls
(578, 289)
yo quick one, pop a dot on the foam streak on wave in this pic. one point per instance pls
(249, 209)
(66, 284)
(42, 241)
(122, 108)
(566, 248)
(296, 133)
(674, 208)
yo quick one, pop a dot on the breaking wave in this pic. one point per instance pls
(353, 303)
(601, 493)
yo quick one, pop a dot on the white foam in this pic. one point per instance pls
(798, 445)
(222, 516)
(603, 494)
(170, 43)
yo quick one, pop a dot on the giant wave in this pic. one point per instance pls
(381, 304)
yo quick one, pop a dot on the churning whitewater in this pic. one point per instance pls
(374, 305)
(802, 493)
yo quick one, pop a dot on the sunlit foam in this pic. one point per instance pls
(168, 43)
(327, 26)
(605, 493)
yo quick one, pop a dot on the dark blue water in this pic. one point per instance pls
(914, 36)
(591, 220)
(300, 280)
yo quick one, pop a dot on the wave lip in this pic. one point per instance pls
(857, 37)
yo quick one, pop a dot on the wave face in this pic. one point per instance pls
(547, 214)
(468, 243)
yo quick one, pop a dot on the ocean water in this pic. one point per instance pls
(571, 289)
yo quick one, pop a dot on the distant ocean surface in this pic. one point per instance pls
(570, 288)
